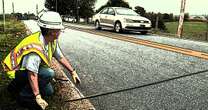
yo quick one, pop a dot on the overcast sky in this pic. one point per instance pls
(193, 7)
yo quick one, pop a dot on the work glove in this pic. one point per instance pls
(75, 77)
(41, 102)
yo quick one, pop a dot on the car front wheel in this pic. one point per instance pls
(118, 27)
(97, 25)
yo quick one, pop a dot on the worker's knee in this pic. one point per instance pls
(51, 73)
(48, 90)
(47, 73)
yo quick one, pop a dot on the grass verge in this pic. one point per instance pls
(13, 34)
(191, 30)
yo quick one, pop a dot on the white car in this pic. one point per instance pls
(68, 18)
(120, 19)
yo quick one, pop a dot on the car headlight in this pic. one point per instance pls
(146, 22)
(129, 20)
(149, 22)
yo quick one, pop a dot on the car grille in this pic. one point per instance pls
(140, 21)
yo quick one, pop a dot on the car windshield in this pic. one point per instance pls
(125, 11)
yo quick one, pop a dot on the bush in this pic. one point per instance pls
(152, 17)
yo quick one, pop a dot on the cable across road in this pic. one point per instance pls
(137, 87)
(176, 49)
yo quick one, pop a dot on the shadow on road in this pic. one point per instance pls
(124, 32)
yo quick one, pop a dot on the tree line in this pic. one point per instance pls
(77, 8)
(19, 16)
(86, 9)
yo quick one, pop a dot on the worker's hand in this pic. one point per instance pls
(75, 77)
(41, 102)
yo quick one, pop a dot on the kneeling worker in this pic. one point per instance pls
(28, 63)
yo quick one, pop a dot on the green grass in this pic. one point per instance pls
(192, 30)
(15, 32)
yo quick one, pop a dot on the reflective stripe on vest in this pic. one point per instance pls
(14, 56)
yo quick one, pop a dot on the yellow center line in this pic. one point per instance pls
(153, 44)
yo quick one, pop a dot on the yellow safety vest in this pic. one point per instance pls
(29, 44)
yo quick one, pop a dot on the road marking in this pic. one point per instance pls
(148, 43)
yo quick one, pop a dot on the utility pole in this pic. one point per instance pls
(13, 7)
(156, 23)
(207, 30)
(56, 6)
(77, 6)
(3, 16)
(37, 9)
(182, 13)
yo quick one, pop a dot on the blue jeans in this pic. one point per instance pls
(21, 84)
(21, 88)
(45, 75)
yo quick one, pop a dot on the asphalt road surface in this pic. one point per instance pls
(106, 65)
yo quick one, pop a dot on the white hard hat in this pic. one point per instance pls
(50, 20)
